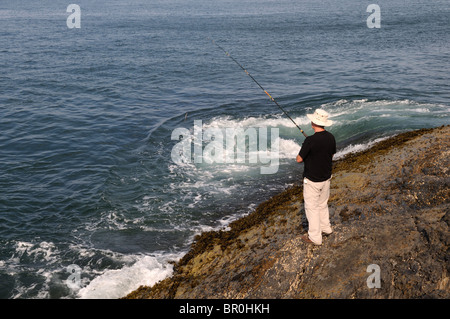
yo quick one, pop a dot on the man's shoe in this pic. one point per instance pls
(306, 239)
(326, 234)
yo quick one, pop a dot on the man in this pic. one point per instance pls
(317, 153)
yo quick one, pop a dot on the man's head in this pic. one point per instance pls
(320, 118)
(317, 127)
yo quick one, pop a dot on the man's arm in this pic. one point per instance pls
(304, 150)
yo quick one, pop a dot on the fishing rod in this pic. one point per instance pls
(271, 98)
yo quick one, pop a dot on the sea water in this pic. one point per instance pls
(92, 204)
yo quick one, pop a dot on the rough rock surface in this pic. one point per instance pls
(389, 206)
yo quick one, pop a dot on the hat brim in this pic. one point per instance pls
(319, 122)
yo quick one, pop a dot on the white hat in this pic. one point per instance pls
(320, 117)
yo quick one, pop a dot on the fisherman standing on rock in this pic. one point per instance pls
(317, 153)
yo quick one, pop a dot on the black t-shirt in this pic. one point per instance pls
(317, 154)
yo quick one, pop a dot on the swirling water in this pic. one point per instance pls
(87, 116)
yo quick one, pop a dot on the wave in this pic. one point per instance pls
(117, 283)
(344, 111)
(355, 148)
(261, 121)
(46, 264)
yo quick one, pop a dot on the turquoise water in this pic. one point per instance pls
(87, 117)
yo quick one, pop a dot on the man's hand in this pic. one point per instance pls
(299, 159)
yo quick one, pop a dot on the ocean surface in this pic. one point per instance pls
(93, 202)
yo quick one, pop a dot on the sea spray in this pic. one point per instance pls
(227, 145)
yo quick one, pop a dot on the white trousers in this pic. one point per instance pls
(316, 207)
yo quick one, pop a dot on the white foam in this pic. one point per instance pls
(354, 148)
(227, 121)
(421, 110)
(113, 284)
(46, 251)
(288, 149)
(348, 110)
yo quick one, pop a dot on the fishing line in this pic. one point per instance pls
(271, 98)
